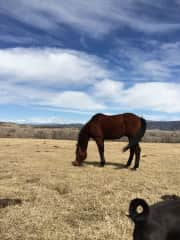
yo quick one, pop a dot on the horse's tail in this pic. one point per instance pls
(138, 217)
(133, 141)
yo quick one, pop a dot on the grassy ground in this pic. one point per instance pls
(62, 202)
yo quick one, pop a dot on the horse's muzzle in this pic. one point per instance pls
(75, 163)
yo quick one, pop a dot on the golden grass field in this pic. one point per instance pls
(63, 202)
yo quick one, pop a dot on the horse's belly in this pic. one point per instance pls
(113, 135)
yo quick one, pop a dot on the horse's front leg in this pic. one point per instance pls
(100, 145)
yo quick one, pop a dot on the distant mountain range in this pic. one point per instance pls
(164, 125)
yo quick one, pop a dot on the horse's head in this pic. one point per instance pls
(81, 155)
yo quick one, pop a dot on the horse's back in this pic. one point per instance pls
(108, 126)
(114, 119)
(114, 126)
(97, 116)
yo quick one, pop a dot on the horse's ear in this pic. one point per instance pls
(133, 210)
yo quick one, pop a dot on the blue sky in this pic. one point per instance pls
(62, 61)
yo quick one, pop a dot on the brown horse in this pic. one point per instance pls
(101, 127)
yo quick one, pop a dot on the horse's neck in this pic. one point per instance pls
(83, 139)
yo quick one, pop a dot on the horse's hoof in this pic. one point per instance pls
(101, 165)
(134, 169)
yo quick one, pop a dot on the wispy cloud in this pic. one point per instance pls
(26, 39)
(96, 18)
(148, 60)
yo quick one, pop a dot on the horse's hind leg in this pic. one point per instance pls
(131, 155)
(100, 145)
(137, 158)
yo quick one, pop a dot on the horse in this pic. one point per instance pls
(159, 221)
(105, 127)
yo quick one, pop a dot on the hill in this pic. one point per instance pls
(164, 125)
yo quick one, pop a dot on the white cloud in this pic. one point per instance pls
(155, 96)
(43, 120)
(162, 117)
(74, 100)
(108, 90)
(152, 96)
(41, 77)
(50, 66)
(106, 96)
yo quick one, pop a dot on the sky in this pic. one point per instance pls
(63, 61)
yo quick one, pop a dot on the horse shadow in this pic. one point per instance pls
(5, 202)
(116, 165)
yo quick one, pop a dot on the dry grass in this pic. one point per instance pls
(62, 202)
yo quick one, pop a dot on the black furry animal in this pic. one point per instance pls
(160, 221)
